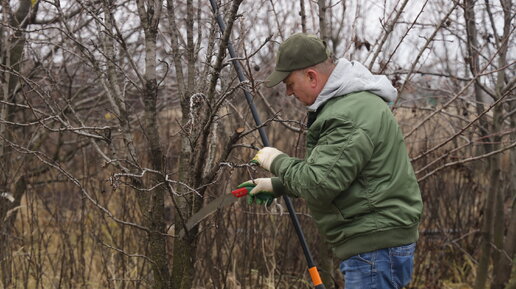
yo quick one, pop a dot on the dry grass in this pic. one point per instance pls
(66, 242)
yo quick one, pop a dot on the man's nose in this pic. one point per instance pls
(289, 91)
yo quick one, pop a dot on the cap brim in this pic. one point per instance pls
(276, 77)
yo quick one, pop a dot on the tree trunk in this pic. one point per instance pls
(197, 104)
(302, 13)
(506, 265)
(11, 57)
(153, 201)
(8, 212)
(323, 31)
(512, 281)
(498, 224)
(187, 203)
(486, 231)
(474, 63)
(502, 257)
(510, 243)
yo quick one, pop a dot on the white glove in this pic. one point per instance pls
(262, 193)
(261, 185)
(266, 156)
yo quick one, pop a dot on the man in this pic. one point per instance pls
(356, 178)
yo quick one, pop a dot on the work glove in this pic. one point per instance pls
(261, 191)
(265, 157)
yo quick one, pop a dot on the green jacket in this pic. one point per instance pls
(356, 178)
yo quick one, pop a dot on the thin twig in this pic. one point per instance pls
(466, 161)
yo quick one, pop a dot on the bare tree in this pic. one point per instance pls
(493, 222)
(13, 180)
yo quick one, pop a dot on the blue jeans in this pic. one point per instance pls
(380, 269)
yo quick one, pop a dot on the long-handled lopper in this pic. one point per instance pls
(314, 273)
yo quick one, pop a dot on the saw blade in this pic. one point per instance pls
(220, 202)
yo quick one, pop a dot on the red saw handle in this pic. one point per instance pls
(240, 192)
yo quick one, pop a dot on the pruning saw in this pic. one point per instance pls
(220, 202)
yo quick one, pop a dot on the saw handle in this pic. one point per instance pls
(242, 192)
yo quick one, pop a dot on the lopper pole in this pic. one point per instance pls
(312, 269)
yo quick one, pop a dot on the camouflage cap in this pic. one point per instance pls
(299, 51)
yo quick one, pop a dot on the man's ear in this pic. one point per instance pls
(313, 77)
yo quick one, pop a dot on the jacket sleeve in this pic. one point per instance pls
(341, 152)
(279, 189)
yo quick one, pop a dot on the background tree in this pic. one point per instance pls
(13, 176)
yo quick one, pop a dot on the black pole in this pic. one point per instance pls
(265, 140)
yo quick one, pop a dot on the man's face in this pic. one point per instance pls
(299, 84)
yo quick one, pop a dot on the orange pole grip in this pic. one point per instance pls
(314, 273)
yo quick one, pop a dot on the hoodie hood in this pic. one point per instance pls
(352, 76)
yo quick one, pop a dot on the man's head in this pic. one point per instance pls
(304, 65)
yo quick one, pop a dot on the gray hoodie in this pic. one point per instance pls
(348, 77)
